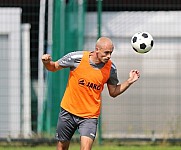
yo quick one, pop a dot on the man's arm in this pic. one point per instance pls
(49, 64)
(115, 90)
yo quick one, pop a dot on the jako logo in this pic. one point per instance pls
(82, 82)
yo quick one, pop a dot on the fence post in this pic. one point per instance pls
(99, 24)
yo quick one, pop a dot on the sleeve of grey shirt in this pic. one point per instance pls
(113, 79)
(71, 59)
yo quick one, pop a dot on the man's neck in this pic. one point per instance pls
(93, 58)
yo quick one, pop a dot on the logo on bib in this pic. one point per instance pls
(83, 82)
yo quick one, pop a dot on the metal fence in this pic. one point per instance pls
(152, 104)
(149, 109)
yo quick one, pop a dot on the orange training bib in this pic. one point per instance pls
(83, 92)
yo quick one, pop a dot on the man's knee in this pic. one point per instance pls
(63, 145)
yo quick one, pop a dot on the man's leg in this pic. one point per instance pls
(66, 127)
(63, 145)
(87, 129)
(86, 143)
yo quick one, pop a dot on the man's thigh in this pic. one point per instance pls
(66, 126)
(88, 127)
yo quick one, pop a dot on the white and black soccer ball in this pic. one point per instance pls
(142, 42)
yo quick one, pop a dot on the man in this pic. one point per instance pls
(81, 103)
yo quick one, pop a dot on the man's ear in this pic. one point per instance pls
(96, 49)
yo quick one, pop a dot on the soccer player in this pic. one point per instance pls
(81, 103)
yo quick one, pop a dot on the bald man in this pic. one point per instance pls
(81, 103)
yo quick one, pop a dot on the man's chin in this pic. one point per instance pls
(105, 61)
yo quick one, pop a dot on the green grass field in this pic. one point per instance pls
(95, 147)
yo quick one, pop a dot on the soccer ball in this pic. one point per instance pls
(142, 42)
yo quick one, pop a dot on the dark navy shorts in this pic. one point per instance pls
(68, 123)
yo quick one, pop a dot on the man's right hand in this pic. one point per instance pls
(46, 58)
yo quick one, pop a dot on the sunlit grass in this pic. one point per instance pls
(95, 147)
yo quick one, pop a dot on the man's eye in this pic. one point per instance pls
(107, 53)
